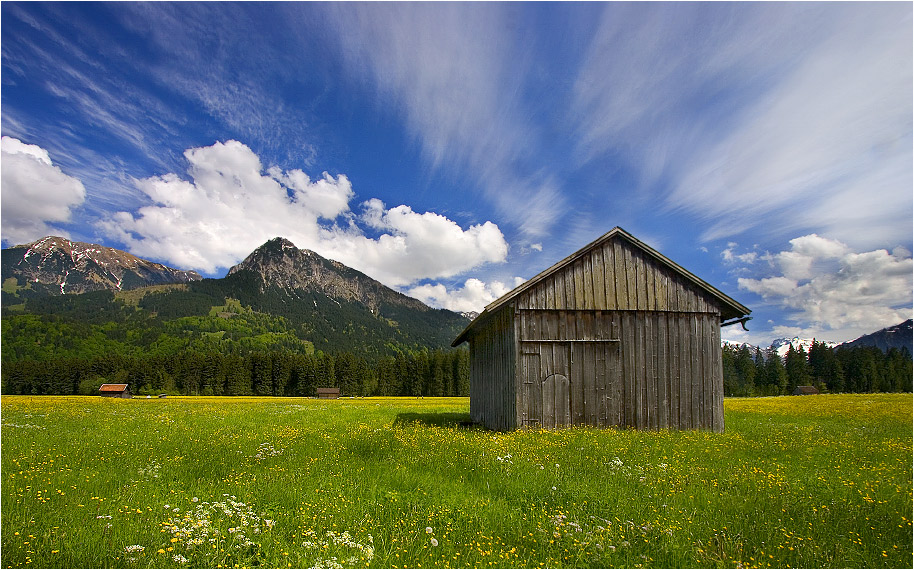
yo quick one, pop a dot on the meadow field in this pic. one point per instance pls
(817, 481)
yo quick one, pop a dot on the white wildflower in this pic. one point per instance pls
(428, 530)
(434, 542)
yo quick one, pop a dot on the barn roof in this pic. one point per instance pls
(112, 388)
(729, 307)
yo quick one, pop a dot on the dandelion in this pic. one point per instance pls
(434, 542)
(195, 500)
(428, 530)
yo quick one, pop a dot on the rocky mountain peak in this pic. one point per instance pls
(56, 265)
(281, 264)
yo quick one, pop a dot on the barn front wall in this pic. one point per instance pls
(646, 370)
(632, 342)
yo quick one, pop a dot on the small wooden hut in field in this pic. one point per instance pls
(328, 393)
(115, 391)
(615, 334)
(805, 391)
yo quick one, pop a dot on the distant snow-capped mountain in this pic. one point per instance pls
(782, 345)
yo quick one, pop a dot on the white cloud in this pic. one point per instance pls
(35, 193)
(473, 296)
(230, 207)
(828, 288)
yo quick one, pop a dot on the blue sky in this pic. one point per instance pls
(453, 150)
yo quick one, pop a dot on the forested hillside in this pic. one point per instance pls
(231, 336)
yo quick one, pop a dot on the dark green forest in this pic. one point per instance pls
(843, 369)
(274, 373)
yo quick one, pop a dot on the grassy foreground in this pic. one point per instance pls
(821, 481)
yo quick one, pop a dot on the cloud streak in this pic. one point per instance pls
(748, 110)
(456, 72)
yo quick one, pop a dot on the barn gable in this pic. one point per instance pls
(614, 334)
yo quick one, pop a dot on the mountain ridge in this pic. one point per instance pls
(896, 336)
(58, 266)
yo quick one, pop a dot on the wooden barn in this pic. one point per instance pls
(115, 391)
(615, 334)
(328, 393)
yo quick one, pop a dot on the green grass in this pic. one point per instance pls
(820, 481)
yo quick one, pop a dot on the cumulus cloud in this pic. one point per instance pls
(36, 193)
(473, 296)
(828, 287)
(231, 205)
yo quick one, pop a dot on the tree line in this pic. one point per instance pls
(420, 373)
(859, 369)
(273, 373)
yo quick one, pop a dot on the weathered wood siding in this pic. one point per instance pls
(617, 276)
(616, 339)
(492, 372)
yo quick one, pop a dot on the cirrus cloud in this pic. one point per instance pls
(231, 205)
(36, 193)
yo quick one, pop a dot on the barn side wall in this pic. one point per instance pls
(492, 372)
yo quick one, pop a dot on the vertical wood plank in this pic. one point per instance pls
(718, 424)
(649, 284)
(587, 282)
(609, 276)
(695, 387)
(631, 280)
(576, 385)
(617, 387)
(560, 291)
(578, 270)
(621, 277)
(599, 282)
(663, 372)
(650, 371)
(685, 378)
(550, 293)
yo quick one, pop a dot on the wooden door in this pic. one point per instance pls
(556, 401)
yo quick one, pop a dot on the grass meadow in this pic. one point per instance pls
(817, 481)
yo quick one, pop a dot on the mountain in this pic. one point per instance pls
(782, 345)
(898, 336)
(335, 306)
(280, 264)
(279, 298)
(58, 266)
